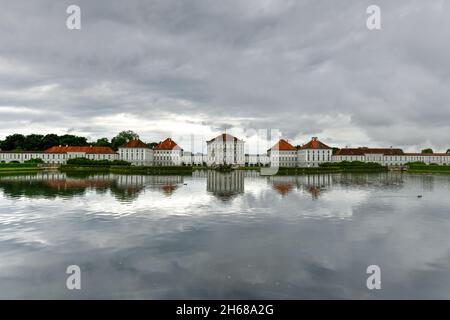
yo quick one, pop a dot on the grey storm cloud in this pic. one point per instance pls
(306, 67)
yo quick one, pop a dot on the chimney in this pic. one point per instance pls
(314, 138)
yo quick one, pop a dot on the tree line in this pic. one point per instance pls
(39, 142)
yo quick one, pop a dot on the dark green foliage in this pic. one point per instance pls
(352, 164)
(416, 163)
(432, 167)
(71, 140)
(38, 142)
(152, 170)
(49, 141)
(32, 142)
(122, 138)
(103, 142)
(13, 142)
(101, 163)
(36, 161)
(18, 165)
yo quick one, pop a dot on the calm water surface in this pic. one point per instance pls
(228, 236)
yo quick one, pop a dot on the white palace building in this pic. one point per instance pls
(227, 149)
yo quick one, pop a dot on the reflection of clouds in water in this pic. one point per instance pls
(260, 245)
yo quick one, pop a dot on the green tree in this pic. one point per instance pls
(33, 142)
(428, 150)
(103, 142)
(448, 150)
(14, 142)
(152, 144)
(122, 138)
(71, 140)
(49, 141)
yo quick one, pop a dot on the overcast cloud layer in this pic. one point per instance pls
(172, 67)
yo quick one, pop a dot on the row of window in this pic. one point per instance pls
(403, 159)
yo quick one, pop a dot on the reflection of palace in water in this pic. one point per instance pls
(166, 184)
(317, 184)
(225, 185)
(314, 184)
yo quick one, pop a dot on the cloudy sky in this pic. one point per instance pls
(177, 68)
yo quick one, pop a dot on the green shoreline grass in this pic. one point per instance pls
(428, 169)
(19, 167)
(187, 170)
(152, 170)
(147, 170)
(431, 168)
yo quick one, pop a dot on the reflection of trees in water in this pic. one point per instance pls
(225, 185)
(38, 186)
(56, 184)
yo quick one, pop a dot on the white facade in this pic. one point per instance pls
(168, 153)
(283, 158)
(396, 159)
(137, 153)
(257, 160)
(60, 156)
(168, 157)
(11, 156)
(225, 149)
(284, 154)
(314, 153)
(313, 157)
(200, 159)
(137, 156)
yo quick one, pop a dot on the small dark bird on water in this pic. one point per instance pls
(419, 196)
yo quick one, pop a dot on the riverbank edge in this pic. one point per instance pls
(187, 170)
(19, 167)
(147, 170)
(430, 168)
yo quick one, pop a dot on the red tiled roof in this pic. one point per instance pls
(167, 144)
(135, 143)
(283, 145)
(90, 149)
(364, 150)
(225, 137)
(314, 144)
